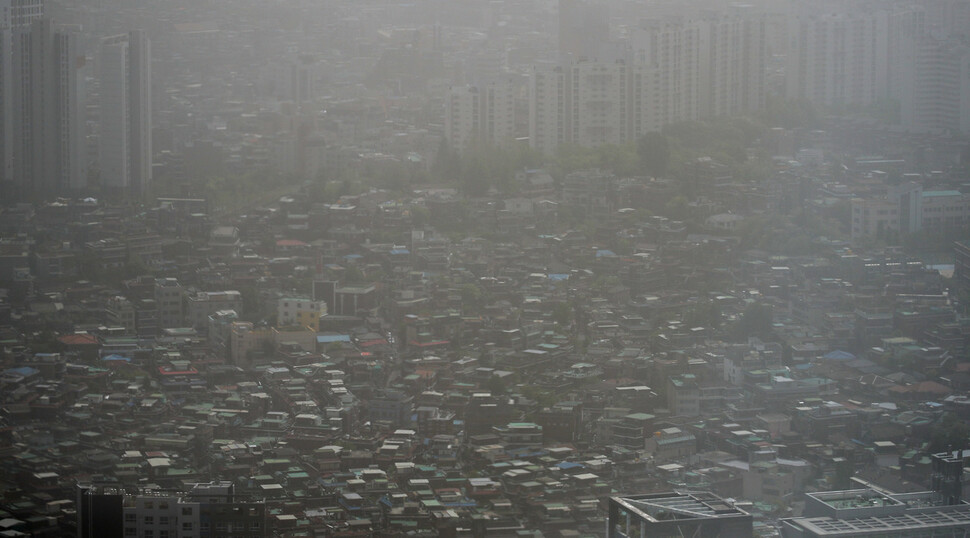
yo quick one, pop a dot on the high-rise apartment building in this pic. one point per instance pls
(15, 19)
(837, 58)
(732, 56)
(41, 128)
(482, 113)
(914, 56)
(668, 55)
(940, 98)
(126, 116)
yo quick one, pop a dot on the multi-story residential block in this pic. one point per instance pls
(907, 208)
(481, 114)
(207, 510)
(732, 59)
(42, 122)
(849, 55)
(119, 312)
(837, 58)
(126, 119)
(15, 21)
(300, 311)
(899, 211)
(168, 298)
(667, 83)
(199, 306)
(245, 339)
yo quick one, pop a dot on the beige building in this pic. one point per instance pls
(300, 312)
(483, 112)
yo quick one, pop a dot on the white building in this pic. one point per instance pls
(168, 298)
(732, 78)
(908, 208)
(299, 311)
(200, 305)
(837, 58)
(911, 56)
(484, 113)
(668, 53)
(126, 115)
(940, 99)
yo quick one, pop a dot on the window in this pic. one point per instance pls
(187, 526)
(148, 534)
(163, 520)
(131, 531)
(186, 510)
(163, 534)
(149, 505)
(149, 520)
(130, 518)
(163, 505)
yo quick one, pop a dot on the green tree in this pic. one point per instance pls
(496, 385)
(562, 314)
(471, 296)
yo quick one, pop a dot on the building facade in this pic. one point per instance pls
(207, 510)
(482, 113)
(676, 514)
(126, 115)
(42, 124)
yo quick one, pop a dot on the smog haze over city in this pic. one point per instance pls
(484, 268)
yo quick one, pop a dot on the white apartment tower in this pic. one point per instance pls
(837, 58)
(732, 59)
(482, 113)
(914, 55)
(126, 116)
(941, 96)
(548, 115)
(598, 92)
(669, 50)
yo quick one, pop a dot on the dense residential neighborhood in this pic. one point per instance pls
(515, 268)
(360, 372)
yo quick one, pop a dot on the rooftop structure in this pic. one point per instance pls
(676, 514)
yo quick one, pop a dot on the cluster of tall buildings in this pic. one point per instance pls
(666, 71)
(912, 61)
(913, 57)
(43, 131)
(610, 91)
